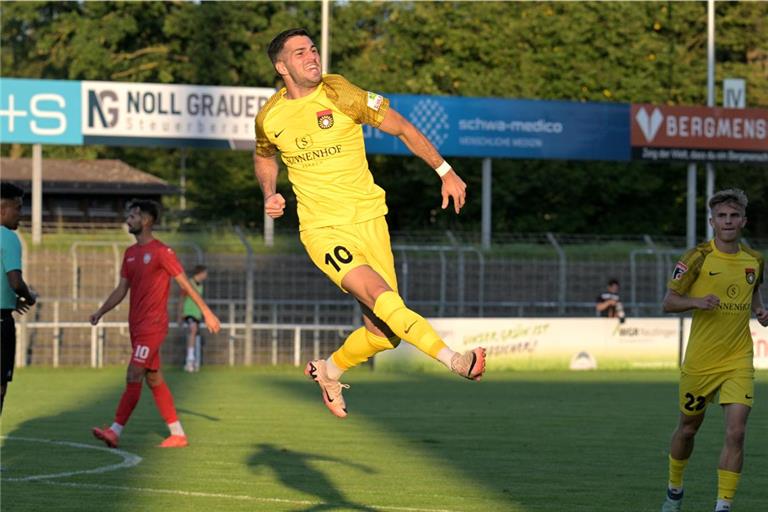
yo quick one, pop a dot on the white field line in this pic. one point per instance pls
(130, 460)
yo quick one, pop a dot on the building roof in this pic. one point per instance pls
(85, 177)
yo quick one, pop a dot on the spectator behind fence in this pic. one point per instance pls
(192, 316)
(608, 303)
(15, 295)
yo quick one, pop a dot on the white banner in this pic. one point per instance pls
(141, 110)
(553, 343)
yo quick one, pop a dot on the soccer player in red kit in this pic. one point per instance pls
(147, 268)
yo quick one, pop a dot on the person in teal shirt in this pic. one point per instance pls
(191, 315)
(15, 295)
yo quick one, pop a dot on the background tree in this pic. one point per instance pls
(637, 52)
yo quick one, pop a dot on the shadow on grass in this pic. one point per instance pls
(56, 443)
(543, 445)
(294, 469)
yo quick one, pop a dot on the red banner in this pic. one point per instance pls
(659, 126)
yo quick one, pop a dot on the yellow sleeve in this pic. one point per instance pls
(361, 106)
(686, 271)
(263, 146)
(760, 264)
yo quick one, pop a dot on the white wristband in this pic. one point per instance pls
(443, 169)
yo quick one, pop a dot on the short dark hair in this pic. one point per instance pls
(10, 191)
(277, 44)
(147, 206)
(613, 281)
(199, 269)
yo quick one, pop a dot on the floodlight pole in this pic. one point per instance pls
(486, 203)
(325, 42)
(710, 103)
(37, 193)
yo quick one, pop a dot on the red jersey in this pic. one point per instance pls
(149, 269)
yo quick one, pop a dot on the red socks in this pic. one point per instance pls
(128, 402)
(164, 402)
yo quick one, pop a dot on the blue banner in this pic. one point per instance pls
(123, 113)
(40, 111)
(488, 127)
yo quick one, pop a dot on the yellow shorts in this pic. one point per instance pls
(734, 387)
(338, 249)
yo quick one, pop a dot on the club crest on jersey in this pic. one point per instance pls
(749, 273)
(325, 119)
(147, 258)
(680, 270)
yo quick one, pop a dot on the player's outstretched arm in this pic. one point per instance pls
(418, 143)
(676, 303)
(211, 321)
(115, 298)
(757, 306)
(265, 168)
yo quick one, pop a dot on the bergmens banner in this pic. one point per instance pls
(699, 134)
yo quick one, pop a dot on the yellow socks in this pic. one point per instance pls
(676, 468)
(359, 346)
(727, 482)
(407, 324)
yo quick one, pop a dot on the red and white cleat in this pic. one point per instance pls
(107, 435)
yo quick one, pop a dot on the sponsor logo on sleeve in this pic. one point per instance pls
(375, 101)
(680, 270)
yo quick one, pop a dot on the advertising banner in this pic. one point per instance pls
(694, 134)
(552, 343)
(124, 113)
(40, 111)
(493, 127)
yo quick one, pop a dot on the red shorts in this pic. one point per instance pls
(146, 350)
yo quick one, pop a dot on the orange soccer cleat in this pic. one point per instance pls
(174, 442)
(107, 435)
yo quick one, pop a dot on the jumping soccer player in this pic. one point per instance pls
(720, 281)
(315, 122)
(147, 268)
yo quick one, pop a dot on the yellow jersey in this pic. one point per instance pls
(320, 139)
(720, 339)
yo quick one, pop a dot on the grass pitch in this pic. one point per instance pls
(261, 440)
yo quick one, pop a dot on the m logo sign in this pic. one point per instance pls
(649, 125)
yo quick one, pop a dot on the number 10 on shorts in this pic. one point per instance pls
(141, 353)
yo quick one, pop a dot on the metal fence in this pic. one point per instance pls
(276, 306)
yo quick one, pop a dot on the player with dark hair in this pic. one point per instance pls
(148, 267)
(15, 295)
(720, 281)
(315, 123)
